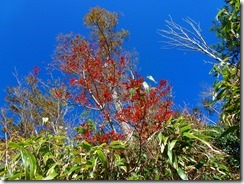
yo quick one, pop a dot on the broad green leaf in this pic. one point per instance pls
(191, 136)
(117, 145)
(59, 137)
(123, 167)
(94, 163)
(175, 161)
(72, 169)
(165, 139)
(13, 145)
(30, 164)
(101, 156)
(171, 144)
(15, 177)
(185, 128)
(182, 174)
(160, 137)
(86, 146)
(51, 171)
(162, 141)
(33, 165)
(38, 177)
(22, 144)
(169, 151)
(51, 176)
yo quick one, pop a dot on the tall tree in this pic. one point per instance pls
(102, 79)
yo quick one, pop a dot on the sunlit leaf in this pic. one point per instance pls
(151, 78)
(86, 145)
(101, 156)
(182, 174)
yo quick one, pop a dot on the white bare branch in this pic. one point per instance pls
(177, 36)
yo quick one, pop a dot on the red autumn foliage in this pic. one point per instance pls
(100, 137)
(102, 80)
(94, 82)
(147, 111)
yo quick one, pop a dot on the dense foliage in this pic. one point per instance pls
(178, 152)
(227, 88)
(106, 122)
(228, 85)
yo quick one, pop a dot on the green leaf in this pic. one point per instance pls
(94, 163)
(191, 136)
(51, 172)
(72, 169)
(169, 151)
(219, 13)
(220, 95)
(22, 144)
(86, 146)
(16, 157)
(164, 144)
(38, 177)
(15, 177)
(101, 156)
(182, 174)
(30, 164)
(14, 145)
(117, 145)
(162, 141)
(230, 130)
(123, 167)
(185, 128)
(171, 144)
(51, 176)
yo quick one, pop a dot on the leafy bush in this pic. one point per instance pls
(178, 152)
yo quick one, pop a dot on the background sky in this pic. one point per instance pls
(28, 31)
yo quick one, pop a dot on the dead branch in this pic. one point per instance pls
(177, 36)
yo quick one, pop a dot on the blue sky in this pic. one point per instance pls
(29, 29)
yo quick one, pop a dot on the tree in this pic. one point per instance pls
(102, 79)
(33, 107)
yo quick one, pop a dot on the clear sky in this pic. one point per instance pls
(28, 31)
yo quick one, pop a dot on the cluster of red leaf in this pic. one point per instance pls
(90, 135)
(146, 111)
(99, 83)
(97, 77)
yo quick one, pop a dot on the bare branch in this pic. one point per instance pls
(177, 36)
